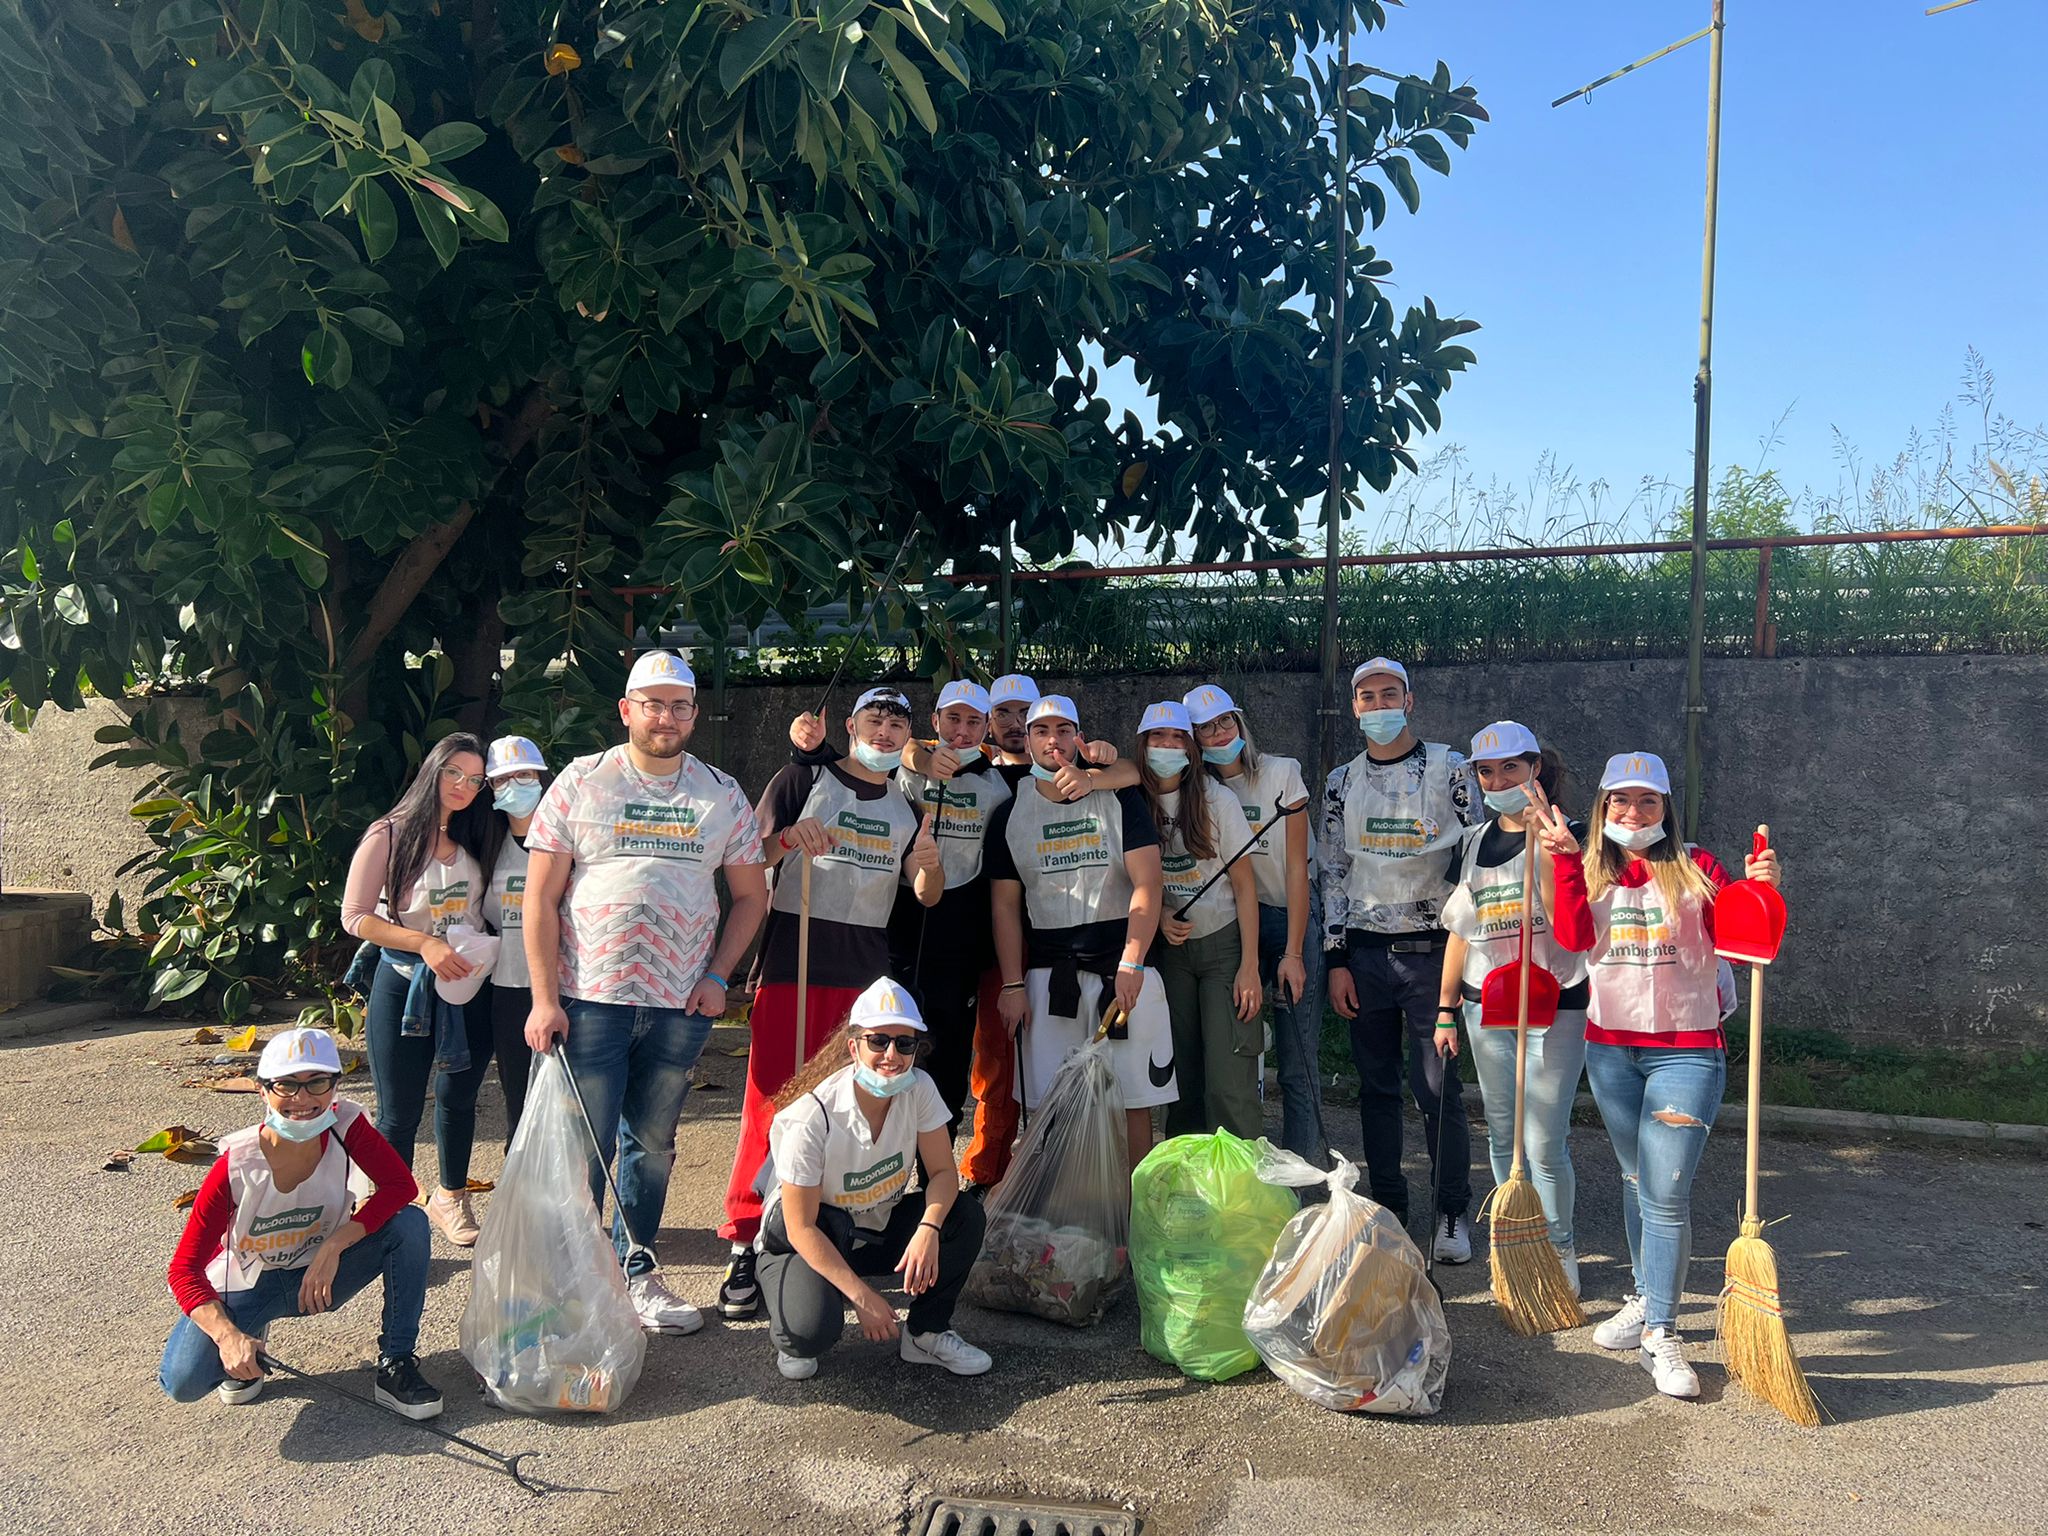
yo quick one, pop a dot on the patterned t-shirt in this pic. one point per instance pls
(641, 908)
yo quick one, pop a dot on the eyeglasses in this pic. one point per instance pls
(903, 1045)
(312, 1087)
(658, 709)
(524, 776)
(457, 776)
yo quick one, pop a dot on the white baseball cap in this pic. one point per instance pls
(1207, 702)
(1054, 706)
(885, 1002)
(480, 950)
(1379, 664)
(661, 669)
(964, 690)
(298, 1050)
(513, 754)
(1503, 738)
(891, 698)
(1635, 770)
(1013, 687)
(1166, 716)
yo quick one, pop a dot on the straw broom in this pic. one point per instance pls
(1529, 1284)
(1751, 1318)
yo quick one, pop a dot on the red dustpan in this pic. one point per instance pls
(1749, 916)
(1500, 994)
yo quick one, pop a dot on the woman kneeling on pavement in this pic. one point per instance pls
(1655, 1054)
(274, 1233)
(849, 1129)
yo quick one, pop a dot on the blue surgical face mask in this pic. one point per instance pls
(1167, 762)
(1047, 774)
(516, 799)
(882, 1087)
(1634, 839)
(299, 1130)
(1383, 725)
(874, 759)
(1505, 802)
(1221, 755)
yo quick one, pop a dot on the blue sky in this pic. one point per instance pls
(1882, 211)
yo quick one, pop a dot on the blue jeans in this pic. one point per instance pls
(1397, 998)
(1557, 1056)
(632, 1066)
(1297, 1032)
(401, 1064)
(397, 1251)
(1659, 1102)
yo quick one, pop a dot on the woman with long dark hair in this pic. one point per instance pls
(1208, 961)
(417, 873)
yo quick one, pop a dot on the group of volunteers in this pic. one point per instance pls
(952, 917)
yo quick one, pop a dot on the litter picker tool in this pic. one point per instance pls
(1529, 1284)
(508, 1465)
(1280, 813)
(1436, 1174)
(1749, 925)
(634, 1247)
(860, 634)
(803, 966)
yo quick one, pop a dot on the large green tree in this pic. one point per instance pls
(346, 345)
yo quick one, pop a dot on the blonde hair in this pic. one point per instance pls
(1672, 867)
(827, 1059)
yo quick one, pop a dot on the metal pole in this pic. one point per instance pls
(1003, 655)
(1703, 399)
(1333, 492)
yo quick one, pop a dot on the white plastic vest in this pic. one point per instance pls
(856, 882)
(1653, 971)
(960, 822)
(1496, 897)
(1399, 834)
(275, 1229)
(1070, 857)
(1185, 874)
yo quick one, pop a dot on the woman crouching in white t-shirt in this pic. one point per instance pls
(849, 1129)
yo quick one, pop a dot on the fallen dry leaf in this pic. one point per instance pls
(119, 1162)
(195, 1150)
(351, 1064)
(481, 1186)
(204, 1037)
(234, 1085)
(245, 1041)
(184, 1201)
(738, 1050)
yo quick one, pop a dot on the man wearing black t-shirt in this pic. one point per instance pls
(1087, 873)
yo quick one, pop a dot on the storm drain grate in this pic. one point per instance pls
(1009, 1517)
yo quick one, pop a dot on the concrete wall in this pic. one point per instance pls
(1902, 791)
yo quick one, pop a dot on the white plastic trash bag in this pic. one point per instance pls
(1058, 1235)
(548, 1325)
(1344, 1313)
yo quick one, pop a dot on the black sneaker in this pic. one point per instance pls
(402, 1389)
(738, 1293)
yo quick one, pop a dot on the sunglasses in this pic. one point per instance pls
(903, 1045)
(312, 1087)
(457, 776)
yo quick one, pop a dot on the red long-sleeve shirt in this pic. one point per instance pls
(1573, 924)
(214, 1208)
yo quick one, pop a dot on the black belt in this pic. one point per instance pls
(1399, 943)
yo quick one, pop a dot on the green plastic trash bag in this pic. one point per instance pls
(1203, 1226)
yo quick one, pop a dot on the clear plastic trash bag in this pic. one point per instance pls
(548, 1326)
(1344, 1313)
(1202, 1227)
(1058, 1233)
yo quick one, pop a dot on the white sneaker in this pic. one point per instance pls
(947, 1349)
(1663, 1356)
(1624, 1330)
(1453, 1240)
(660, 1309)
(1569, 1258)
(235, 1391)
(449, 1210)
(796, 1367)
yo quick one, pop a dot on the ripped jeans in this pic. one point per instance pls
(1658, 1103)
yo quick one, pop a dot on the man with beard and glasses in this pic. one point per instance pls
(621, 916)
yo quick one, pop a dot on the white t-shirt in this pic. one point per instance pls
(1278, 782)
(1186, 874)
(822, 1142)
(505, 910)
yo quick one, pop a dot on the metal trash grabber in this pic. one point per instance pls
(508, 1465)
(634, 1247)
(1280, 813)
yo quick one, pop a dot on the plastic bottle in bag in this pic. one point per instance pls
(1344, 1313)
(1057, 1239)
(548, 1325)
(1202, 1228)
